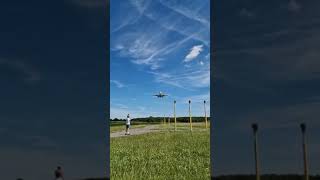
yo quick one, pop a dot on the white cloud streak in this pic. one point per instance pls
(117, 83)
(149, 45)
(140, 5)
(194, 52)
(189, 13)
(148, 42)
(188, 80)
(148, 49)
(138, 112)
(197, 98)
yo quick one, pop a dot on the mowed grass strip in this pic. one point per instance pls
(162, 155)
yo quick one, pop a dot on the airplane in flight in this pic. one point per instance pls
(160, 95)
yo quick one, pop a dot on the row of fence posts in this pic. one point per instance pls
(304, 149)
(190, 116)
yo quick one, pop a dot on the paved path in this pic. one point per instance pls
(136, 131)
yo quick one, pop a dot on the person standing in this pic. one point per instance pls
(128, 121)
(58, 174)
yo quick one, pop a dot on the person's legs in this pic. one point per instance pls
(127, 129)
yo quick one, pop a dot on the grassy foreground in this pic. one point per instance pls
(161, 155)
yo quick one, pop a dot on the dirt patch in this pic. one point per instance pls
(136, 131)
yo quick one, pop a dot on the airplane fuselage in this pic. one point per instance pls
(160, 95)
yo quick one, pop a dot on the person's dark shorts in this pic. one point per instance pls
(127, 125)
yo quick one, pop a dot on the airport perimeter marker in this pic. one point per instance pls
(205, 113)
(190, 117)
(174, 113)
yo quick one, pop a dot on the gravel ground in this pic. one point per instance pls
(136, 131)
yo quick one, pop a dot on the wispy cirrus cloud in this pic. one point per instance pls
(119, 110)
(188, 11)
(135, 11)
(149, 49)
(149, 45)
(197, 103)
(181, 26)
(140, 5)
(197, 98)
(167, 78)
(118, 83)
(119, 105)
(179, 18)
(135, 112)
(189, 79)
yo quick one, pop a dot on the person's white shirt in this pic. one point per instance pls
(128, 121)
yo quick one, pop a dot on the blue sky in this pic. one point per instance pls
(159, 45)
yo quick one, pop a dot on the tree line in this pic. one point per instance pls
(160, 119)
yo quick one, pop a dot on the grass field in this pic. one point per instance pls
(162, 155)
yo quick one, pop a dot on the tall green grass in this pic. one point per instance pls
(162, 155)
